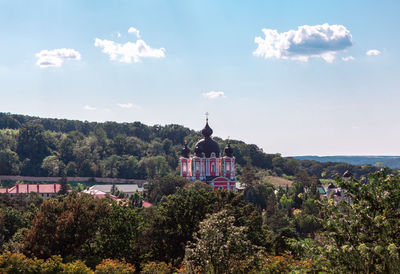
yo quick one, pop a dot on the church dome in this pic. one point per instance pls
(185, 151)
(347, 174)
(207, 145)
(229, 150)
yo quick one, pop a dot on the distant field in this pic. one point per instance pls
(278, 181)
(384, 161)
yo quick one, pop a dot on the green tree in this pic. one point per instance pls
(164, 186)
(65, 226)
(221, 247)
(363, 235)
(173, 223)
(11, 220)
(63, 185)
(154, 166)
(117, 237)
(262, 196)
(53, 166)
(136, 200)
(32, 145)
(9, 162)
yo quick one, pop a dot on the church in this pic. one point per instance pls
(207, 165)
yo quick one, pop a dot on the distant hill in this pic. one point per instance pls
(380, 161)
(45, 147)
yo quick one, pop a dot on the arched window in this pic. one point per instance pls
(212, 167)
(197, 167)
(184, 168)
(228, 166)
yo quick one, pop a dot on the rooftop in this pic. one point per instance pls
(127, 188)
(38, 188)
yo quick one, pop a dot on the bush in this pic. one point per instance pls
(157, 268)
(76, 267)
(17, 263)
(114, 266)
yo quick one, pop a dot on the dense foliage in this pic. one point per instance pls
(197, 230)
(34, 146)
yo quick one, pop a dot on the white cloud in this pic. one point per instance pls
(129, 52)
(373, 52)
(129, 105)
(214, 94)
(56, 57)
(118, 35)
(134, 31)
(348, 58)
(322, 41)
(87, 107)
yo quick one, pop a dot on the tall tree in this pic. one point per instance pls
(66, 226)
(32, 145)
(63, 185)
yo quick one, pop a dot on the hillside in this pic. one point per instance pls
(33, 146)
(380, 161)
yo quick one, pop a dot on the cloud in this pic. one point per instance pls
(118, 35)
(129, 105)
(373, 52)
(129, 52)
(319, 41)
(214, 95)
(56, 57)
(87, 107)
(348, 58)
(134, 31)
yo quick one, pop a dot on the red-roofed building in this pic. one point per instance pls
(44, 190)
(3, 190)
(146, 204)
(99, 194)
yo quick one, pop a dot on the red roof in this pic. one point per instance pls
(3, 190)
(38, 188)
(146, 204)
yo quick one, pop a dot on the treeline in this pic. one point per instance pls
(193, 229)
(34, 146)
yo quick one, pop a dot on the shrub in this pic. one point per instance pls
(157, 268)
(76, 267)
(108, 266)
(18, 263)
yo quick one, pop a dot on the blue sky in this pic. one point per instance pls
(288, 96)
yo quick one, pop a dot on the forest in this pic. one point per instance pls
(193, 229)
(34, 146)
(190, 228)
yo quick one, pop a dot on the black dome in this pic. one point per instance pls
(347, 174)
(207, 131)
(207, 145)
(331, 186)
(229, 150)
(185, 151)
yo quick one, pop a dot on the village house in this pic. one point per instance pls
(44, 190)
(128, 189)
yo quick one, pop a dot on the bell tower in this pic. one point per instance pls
(229, 163)
(186, 162)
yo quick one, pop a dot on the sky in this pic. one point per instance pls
(294, 77)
